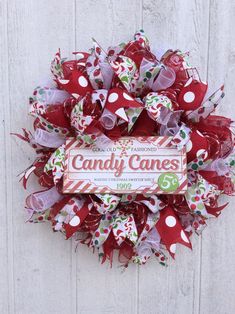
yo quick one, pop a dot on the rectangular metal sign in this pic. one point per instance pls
(146, 165)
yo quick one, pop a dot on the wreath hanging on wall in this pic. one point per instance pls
(101, 96)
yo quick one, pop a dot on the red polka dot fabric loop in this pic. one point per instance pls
(192, 95)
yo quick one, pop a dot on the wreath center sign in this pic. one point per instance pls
(150, 165)
(130, 154)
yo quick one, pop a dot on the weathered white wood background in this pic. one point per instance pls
(40, 272)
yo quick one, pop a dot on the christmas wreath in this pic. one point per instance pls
(128, 90)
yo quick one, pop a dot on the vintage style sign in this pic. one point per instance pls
(134, 165)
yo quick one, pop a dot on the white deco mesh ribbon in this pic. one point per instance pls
(48, 139)
(41, 201)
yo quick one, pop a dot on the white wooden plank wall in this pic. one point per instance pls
(40, 272)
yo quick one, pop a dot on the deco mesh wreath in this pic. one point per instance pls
(127, 91)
